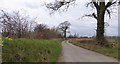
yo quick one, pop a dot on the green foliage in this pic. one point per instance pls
(31, 50)
(1, 42)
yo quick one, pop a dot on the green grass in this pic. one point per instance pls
(31, 50)
(112, 52)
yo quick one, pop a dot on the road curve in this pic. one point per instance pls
(72, 53)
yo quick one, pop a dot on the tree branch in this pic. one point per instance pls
(109, 13)
(95, 4)
(93, 15)
(110, 3)
(58, 4)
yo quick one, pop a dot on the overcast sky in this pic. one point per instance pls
(84, 27)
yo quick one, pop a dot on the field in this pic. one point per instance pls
(31, 50)
(89, 44)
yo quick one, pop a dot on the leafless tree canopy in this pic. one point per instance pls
(56, 6)
(15, 25)
(108, 7)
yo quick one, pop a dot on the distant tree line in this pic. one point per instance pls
(73, 36)
(112, 37)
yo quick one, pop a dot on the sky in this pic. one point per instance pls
(83, 26)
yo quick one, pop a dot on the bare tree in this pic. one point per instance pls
(15, 25)
(64, 26)
(100, 6)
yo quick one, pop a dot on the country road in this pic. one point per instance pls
(72, 53)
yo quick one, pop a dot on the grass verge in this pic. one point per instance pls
(112, 52)
(31, 50)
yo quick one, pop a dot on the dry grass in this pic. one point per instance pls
(90, 44)
(82, 40)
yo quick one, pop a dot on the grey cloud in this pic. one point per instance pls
(85, 26)
(32, 6)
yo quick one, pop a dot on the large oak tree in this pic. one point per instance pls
(100, 6)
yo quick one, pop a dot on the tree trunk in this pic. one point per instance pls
(65, 34)
(100, 32)
(100, 27)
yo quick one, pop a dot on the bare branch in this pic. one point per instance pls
(95, 4)
(55, 6)
(93, 15)
(108, 11)
(110, 3)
